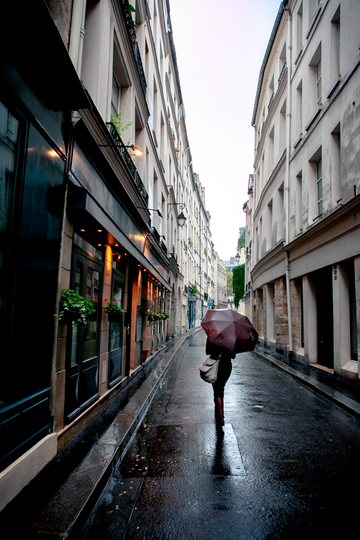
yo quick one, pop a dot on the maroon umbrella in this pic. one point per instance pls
(229, 330)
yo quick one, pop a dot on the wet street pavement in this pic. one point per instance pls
(285, 466)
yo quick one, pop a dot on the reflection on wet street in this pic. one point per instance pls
(283, 466)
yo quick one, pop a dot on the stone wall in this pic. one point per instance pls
(281, 316)
(357, 292)
(295, 304)
(258, 312)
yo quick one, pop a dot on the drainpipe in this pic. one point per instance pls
(287, 178)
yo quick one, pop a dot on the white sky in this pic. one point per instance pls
(220, 46)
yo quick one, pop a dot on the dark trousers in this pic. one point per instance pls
(224, 372)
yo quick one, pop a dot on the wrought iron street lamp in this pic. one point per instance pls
(181, 219)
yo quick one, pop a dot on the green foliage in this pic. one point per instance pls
(242, 241)
(72, 301)
(193, 289)
(131, 9)
(239, 283)
(113, 307)
(230, 289)
(118, 123)
(153, 313)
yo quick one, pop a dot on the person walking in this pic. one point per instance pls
(224, 372)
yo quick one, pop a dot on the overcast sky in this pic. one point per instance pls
(220, 46)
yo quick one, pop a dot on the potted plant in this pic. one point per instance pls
(113, 310)
(193, 289)
(75, 308)
(153, 315)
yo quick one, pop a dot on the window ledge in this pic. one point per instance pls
(350, 367)
(313, 118)
(298, 56)
(334, 87)
(315, 19)
(298, 141)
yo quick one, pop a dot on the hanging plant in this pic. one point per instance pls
(131, 9)
(193, 289)
(113, 310)
(75, 308)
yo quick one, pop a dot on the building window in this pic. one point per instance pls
(120, 98)
(335, 46)
(316, 193)
(335, 161)
(315, 86)
(319, 186)
(270, 224)
(299, 28)
(299, 107)
(318, 84)
(9, 131)
(298, 209)
(114, 97)
(313, 9)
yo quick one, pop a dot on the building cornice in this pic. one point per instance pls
(269, 260)
(337, 216)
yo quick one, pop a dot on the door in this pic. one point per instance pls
(116, 332)
(83, 351)
(325, 325)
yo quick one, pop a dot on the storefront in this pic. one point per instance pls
(35, 116)
(109, 254)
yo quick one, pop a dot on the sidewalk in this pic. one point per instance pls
(82, 475)
(344, 394)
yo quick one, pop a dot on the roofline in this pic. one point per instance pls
(266, 58)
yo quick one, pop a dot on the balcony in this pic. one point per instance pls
(271, 101)
(128, 161)
(282, 73)
(132, 36)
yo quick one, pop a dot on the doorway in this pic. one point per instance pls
(325, 323)
(116, 329)
(83, 344)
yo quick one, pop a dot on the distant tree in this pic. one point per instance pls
(242, 241)
(238, 283)
(230, 283)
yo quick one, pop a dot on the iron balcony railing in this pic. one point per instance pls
(124, 5)
(128, 161)
(271, 101)
(282, 73)
(140, 67)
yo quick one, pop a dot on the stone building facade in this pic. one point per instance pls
(302, 253)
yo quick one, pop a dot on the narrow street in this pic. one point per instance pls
(286, 465)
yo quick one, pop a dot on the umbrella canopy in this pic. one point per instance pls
(229, 330)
